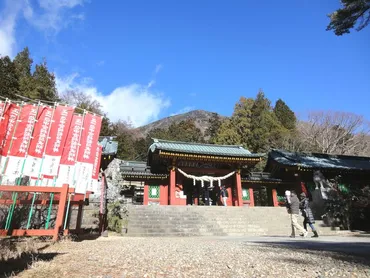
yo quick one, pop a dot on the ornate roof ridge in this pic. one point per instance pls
(155, 140)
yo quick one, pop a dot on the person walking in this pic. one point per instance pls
(304, 205)
(224, 195)
(293, 210)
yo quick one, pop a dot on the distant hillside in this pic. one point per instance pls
(201, 118)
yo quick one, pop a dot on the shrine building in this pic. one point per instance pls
(181, 173)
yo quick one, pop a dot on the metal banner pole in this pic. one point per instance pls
(66, 218)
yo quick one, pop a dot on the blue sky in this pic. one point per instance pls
(148, 59)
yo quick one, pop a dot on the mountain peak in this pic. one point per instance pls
(201, 118)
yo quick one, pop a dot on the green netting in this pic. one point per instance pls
(154, 191)
(343, 188)
(245, 194)
(281, 199)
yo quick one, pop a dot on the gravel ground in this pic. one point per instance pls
(192, 257)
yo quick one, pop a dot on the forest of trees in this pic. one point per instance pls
(255, 123)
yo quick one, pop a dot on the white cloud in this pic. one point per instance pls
(158, 68)
(54, 15)
(135, 103)
(49, 16)
(151, 83)
(7, 27)
(100, 63)
(183, 110)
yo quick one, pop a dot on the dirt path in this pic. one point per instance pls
(196, 257)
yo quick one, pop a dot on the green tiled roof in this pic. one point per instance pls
(109, 146)
(260, 176)
(319, 161)
(197, 148)
(137, 168)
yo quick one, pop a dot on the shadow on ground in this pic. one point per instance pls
(352, 252)
(15, 266)
(83, 237)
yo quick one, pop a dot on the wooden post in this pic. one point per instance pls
(61, 211)
(79, 218)
(239, 193)
(274, 198)
(146, 195)
(251, 197)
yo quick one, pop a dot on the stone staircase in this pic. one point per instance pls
(211, 221)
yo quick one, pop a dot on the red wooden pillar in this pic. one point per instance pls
(274, 198)
(61, 211)
(146, 195)
(239, 193)
(172, 186)
(251, 197)
(163, 195)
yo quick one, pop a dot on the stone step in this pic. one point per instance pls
(198, 221)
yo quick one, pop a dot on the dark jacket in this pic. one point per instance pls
(304, 205)
(224, 192)
(293, 207)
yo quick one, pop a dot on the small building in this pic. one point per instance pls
(313, 170)
(136, 175)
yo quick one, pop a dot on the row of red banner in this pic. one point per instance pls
(51, 145)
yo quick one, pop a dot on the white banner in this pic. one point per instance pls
(51, 163)
(2, 163)
(84, 176)
(14, 166)
(32, 166)
(65, 175)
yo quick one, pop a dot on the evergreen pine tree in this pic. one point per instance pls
(266, 130)
(23, 63)
(44, 84)
(227, 134)
(241, 119)
(285, 115)
(9, 85)
(214, 125)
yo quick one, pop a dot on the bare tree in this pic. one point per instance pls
(335, 133)
(83, 101)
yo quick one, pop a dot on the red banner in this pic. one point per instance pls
(60, 125)
(40, 132)
(7, 127)
(87, 152)
(93, 185)
(23, 131)
(71, 146)
(38, 142)
(59, 130)
(2, 108)
(20, 142)
(89, 138)
(69, 155)
(97, 159)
